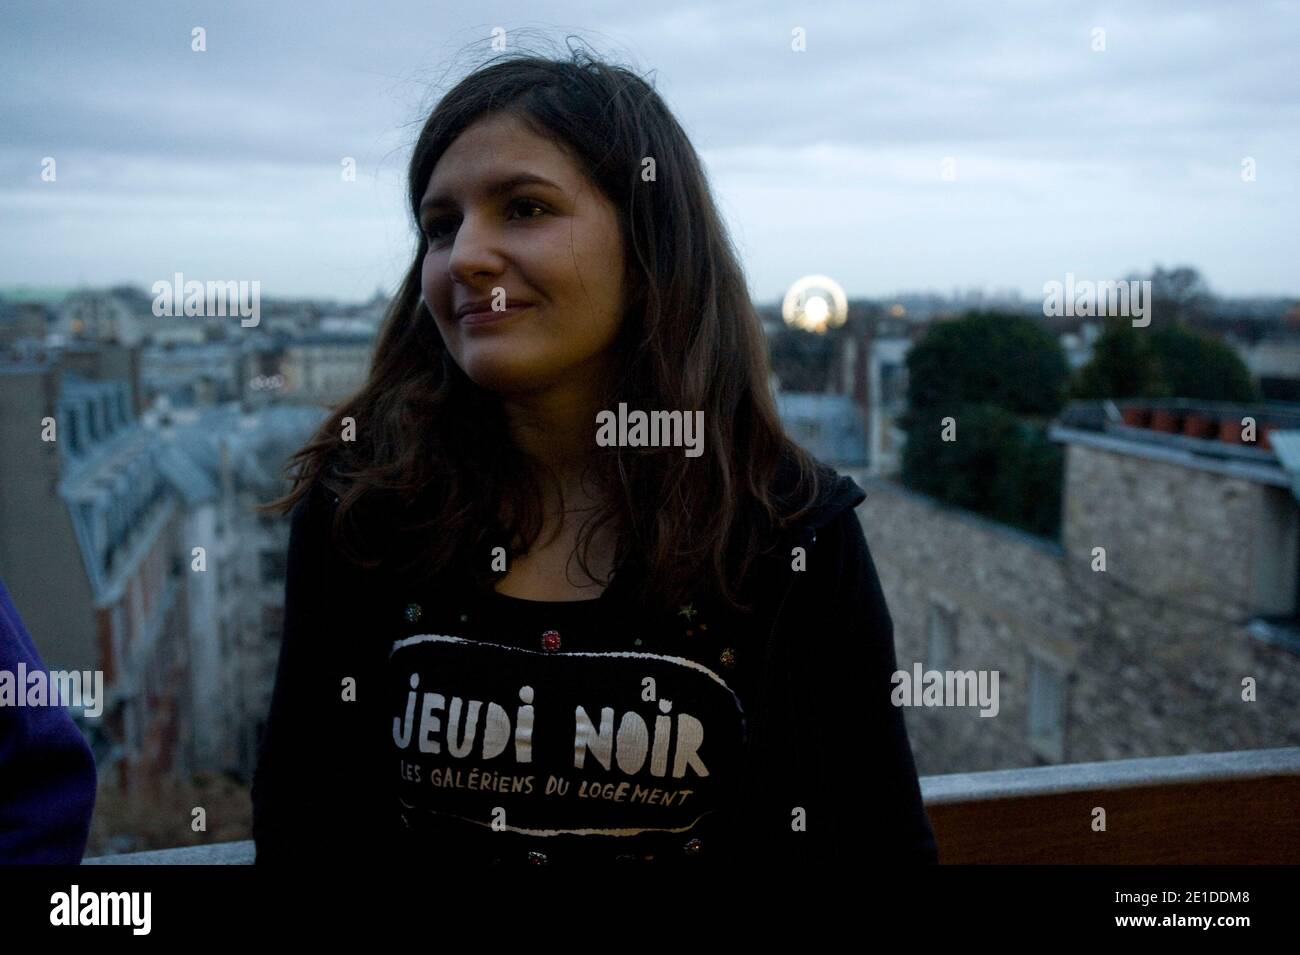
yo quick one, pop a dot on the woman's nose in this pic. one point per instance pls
(474, 250)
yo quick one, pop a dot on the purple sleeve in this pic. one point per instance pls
(47, 772)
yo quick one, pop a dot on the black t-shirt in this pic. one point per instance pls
(535, 731)
(810, 664)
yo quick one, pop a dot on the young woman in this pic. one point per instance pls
(522, 629)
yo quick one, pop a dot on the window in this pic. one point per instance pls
(942, 635)
(1047, 684)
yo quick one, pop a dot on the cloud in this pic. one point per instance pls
(826, 160)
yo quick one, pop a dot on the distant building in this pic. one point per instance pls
(89, 551)
(324, 368)
(223, 461)
(204, 374)
(22, 321)
(886, 403)
(827, 426)
(130, 545)
(99, 316)
(1274, 359)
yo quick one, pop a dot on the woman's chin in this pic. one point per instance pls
(506, 375)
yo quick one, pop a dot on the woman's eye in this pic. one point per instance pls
(528, 204)
(431, 231)
(434, 230)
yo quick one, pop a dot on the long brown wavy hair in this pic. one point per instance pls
(431, 451)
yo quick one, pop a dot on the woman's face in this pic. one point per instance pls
(549, 249)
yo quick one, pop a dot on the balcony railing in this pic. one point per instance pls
(1206, 809)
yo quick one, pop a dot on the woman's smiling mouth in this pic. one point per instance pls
(489, 316)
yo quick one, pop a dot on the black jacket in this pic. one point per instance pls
(824, 737)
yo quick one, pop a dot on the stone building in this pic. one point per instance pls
(1156, 654)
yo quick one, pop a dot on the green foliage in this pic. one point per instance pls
(1196, 365)
(1122, 365)
(997, 465)
(987, 371)
(1000, 376)
(1005, 360)
(1162, 361)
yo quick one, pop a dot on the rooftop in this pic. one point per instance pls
(1202, 434)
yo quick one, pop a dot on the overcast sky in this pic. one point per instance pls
(225, 164)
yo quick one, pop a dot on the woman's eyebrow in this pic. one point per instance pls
(494, 188)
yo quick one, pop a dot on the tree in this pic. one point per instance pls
(1179, 295)
(1196, 365)
(1170, 360)
(1122, 365)
(997, 465)
(988, 372)
(1006, 360)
